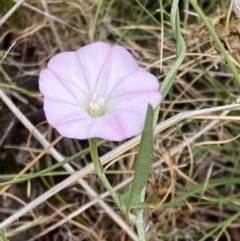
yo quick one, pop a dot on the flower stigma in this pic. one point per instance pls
(96, 106)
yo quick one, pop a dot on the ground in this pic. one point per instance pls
(193, 189)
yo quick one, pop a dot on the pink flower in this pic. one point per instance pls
(98, 91)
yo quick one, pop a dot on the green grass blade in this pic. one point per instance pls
(51, 168)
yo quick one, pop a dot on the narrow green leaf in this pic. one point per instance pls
(143, 165)
(124, 199)
(21, 90)
(51, 168)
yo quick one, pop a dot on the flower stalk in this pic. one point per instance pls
(100, 173)
(138, 219)
(98, 86)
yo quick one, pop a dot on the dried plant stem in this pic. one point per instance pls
(75, 177)
(11, 11)
(107, 157)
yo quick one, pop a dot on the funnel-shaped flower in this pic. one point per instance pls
(98, 91)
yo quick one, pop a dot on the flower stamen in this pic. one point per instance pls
(97, 102)
(96, 105)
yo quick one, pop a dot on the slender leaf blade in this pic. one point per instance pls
(143, 165)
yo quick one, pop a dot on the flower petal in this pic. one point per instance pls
(72, 79)
(92, 58)
(105, 66)
(131, 113)
(74, 123)
(66, 118)
(107, 127)
(56, 88)
(141, 83)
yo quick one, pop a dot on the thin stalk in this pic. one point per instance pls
(2, 236)
(137, 220)
(139, 223)
(101, 175)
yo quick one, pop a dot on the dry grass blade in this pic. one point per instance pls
(193, 191)
(57, 188)
(11, 11)
(108, 157)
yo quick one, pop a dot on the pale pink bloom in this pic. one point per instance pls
(98, 91)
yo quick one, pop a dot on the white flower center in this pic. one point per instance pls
(96, 106)
(97, 102)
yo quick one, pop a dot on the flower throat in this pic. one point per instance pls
(96, 107)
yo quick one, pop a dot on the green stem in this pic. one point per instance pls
(2, 236)
(139, 223)
(101, 175)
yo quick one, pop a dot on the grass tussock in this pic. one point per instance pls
(193, 190)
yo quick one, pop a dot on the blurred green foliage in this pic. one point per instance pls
(14, 18)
